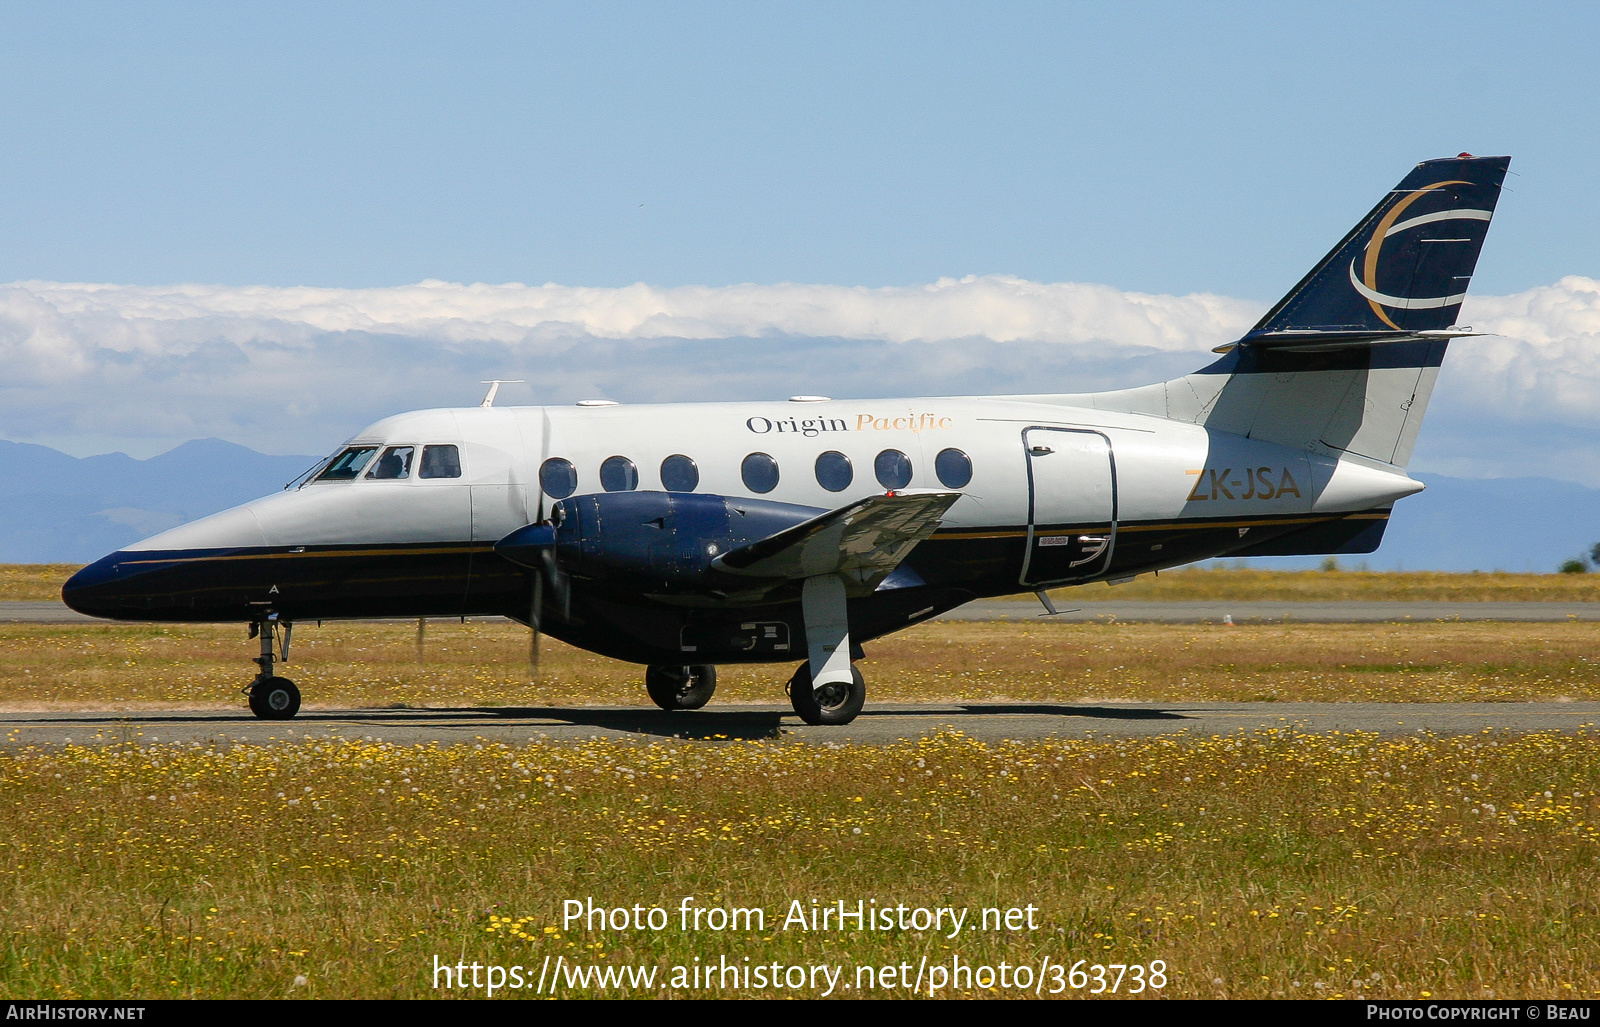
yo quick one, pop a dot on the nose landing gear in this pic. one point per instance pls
(272, 697)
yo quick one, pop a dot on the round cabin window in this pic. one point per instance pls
(893, 469)
(679, 474)
(760, 473)
(953, 467)
(834, 472)
(618, 474)
(558, 477)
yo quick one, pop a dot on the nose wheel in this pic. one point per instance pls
(272, 697)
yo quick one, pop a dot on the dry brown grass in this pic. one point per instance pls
(1402, 662)
(34, 581)
(486, 663)
(1192, 584)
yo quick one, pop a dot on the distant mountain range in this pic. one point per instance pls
(1487, 524)
(62, 509)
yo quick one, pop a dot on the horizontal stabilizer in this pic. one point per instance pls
(863, 542)
(1313, 342)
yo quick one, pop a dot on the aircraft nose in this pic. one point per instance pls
(126, 585)
(99, 589)
(157, 579)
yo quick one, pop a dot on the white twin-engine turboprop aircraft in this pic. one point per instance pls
(685, 536)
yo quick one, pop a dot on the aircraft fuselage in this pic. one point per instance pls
(1053, 495)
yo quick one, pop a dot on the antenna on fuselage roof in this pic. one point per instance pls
(494, 388)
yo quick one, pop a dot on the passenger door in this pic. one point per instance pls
(1072, 505)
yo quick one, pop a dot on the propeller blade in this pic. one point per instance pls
(535, 612)
(560, 583)
(534, 547)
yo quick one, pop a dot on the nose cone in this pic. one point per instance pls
(167, 585)
(163, 577)
(100, 589)
(131, 585)
(136, 584)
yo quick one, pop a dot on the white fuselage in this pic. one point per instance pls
(1162, 470)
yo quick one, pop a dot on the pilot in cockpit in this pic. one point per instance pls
(395, 463)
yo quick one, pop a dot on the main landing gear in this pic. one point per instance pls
(827, 689)
(272, 697)
(681, 688)
(836, 702)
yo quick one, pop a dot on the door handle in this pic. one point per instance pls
(1040, 451)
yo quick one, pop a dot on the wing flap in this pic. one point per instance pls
(862, 542)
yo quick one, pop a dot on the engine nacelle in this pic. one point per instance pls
(662, 540)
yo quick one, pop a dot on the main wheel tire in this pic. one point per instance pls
(274, 699)
(681, 688)
(833, 703)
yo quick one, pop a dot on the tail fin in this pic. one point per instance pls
(1405, 266)
(1346, 362)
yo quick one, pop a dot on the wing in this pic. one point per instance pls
(862, 542)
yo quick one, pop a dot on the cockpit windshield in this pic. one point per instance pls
(348, 464)
(394, 463)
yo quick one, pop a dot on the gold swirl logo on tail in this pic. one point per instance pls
(1367, 282)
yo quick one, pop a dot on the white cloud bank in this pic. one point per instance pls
(996, 308)
(297, 369)
(1542, 360)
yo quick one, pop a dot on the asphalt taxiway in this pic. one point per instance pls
(41, 612)
(887, 722)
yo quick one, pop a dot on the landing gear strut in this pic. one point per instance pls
(681, 688)
(272, 697)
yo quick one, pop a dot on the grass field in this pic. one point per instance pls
(33, 581)
(1187, 584)
(43, 582)
(1266, 865)
(1272, 864)
(486, 663)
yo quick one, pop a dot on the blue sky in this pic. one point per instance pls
(1167, 148)
(236, 201)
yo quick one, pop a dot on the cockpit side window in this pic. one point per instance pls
(348, 464)
(440, 462)
(394, 463)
